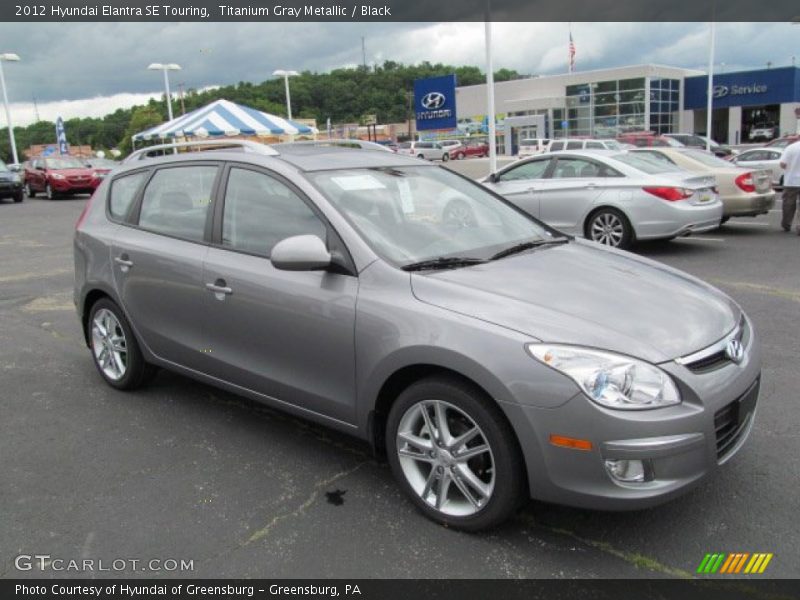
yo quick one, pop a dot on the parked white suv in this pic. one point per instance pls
(532, 146)
(426, 150)
(583, 144)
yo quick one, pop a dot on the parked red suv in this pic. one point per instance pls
(476, 148)
(59, 175)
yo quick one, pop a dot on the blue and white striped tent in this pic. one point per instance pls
(224, 118)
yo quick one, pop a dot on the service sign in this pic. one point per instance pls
(435, 103)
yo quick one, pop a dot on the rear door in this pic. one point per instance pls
(572, 188)
(288, 335)
(158, 257)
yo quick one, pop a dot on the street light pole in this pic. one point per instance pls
(164, 68)
(490, 93)
(8, 56)
(286, 75)
(710, 92)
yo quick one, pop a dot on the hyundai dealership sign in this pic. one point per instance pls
(435, 103)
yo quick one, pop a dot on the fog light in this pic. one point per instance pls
(628, 471)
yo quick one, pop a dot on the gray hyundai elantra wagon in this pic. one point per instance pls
(489, 357)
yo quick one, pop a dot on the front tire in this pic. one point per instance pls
(19, 196)
(445, 157)
(609, 227)
(114, 348)
(29, 192)
(49, 193)
(454, 454)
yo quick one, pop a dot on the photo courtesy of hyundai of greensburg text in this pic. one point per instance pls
(480, 299)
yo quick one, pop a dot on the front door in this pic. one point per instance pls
(288, 335)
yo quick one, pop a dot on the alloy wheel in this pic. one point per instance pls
(446, 458)
(109, 344)
(607, 228)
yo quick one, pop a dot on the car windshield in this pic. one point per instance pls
(3, 166)
(64, 163)
(707, 159)
(414, 214)
(646, 164)
(612, 145)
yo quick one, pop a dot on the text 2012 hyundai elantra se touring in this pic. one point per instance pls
(488, 356)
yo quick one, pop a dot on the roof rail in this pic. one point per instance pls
(337, 142)
(246, 145)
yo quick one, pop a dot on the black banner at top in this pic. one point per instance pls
(400, 10)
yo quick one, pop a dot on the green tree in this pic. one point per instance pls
(143, 118)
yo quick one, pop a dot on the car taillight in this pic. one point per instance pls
(745, 182)
(85, 211)
(670, 194)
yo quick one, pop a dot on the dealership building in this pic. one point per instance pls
(606, 102)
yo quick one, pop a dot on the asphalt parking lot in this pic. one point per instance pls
(182, 470)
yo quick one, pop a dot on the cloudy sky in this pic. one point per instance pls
(90, 69)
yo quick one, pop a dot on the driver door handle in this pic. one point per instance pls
(124, 262)
(219, 287)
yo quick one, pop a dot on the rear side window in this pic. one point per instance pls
(176, 201)
(123, 191)
(574, 145)
(597, 145)
(260, 211)
(555, 146)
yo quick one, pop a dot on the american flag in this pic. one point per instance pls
(571, 53)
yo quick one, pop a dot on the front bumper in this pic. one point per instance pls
(679, 445)
(65, 186)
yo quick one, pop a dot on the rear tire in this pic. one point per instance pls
(427, 460)
(724, 220)
(19, 196)
(610, 227)
(29, 192)
(445, 157)
(115, 350)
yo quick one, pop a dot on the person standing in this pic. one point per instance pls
(790, 163)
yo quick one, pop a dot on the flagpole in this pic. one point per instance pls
(710, 92)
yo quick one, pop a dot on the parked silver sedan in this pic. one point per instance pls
(614, 198)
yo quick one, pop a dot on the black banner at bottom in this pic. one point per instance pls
(400, 589)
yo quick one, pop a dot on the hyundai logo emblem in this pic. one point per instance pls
(720, 91)
(735, 351)
(433, 100)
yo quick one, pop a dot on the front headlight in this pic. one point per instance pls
(99, 174)
(612, 380)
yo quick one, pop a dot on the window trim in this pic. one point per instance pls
(215, 235)
(601, 166)
(545, 174)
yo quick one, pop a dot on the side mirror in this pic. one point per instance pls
(14, 168)
(493, 178)
(300, 253)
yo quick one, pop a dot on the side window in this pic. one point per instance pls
(574, 145)
(567, 168)
(176, 201)
(773, 155)
(531, 170)
(597, 145)
(662, 158)
(556, 146)
(260, 211)
(123, 191)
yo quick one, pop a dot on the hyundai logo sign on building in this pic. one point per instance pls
(435, 103)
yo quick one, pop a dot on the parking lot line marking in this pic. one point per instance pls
(24, 276)
(749, 224)
(699, 239)
(757, 287)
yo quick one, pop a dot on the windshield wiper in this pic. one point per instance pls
(443, 262)
(522, 246)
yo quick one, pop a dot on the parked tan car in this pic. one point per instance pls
(744, 192)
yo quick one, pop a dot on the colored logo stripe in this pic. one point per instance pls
(735, 563)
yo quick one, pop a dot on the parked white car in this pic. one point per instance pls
(532, 146)
(767, 159)
(426, 150)
(583, 144)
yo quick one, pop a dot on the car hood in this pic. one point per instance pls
(581, 293)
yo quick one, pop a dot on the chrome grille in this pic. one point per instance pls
(714, 357)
